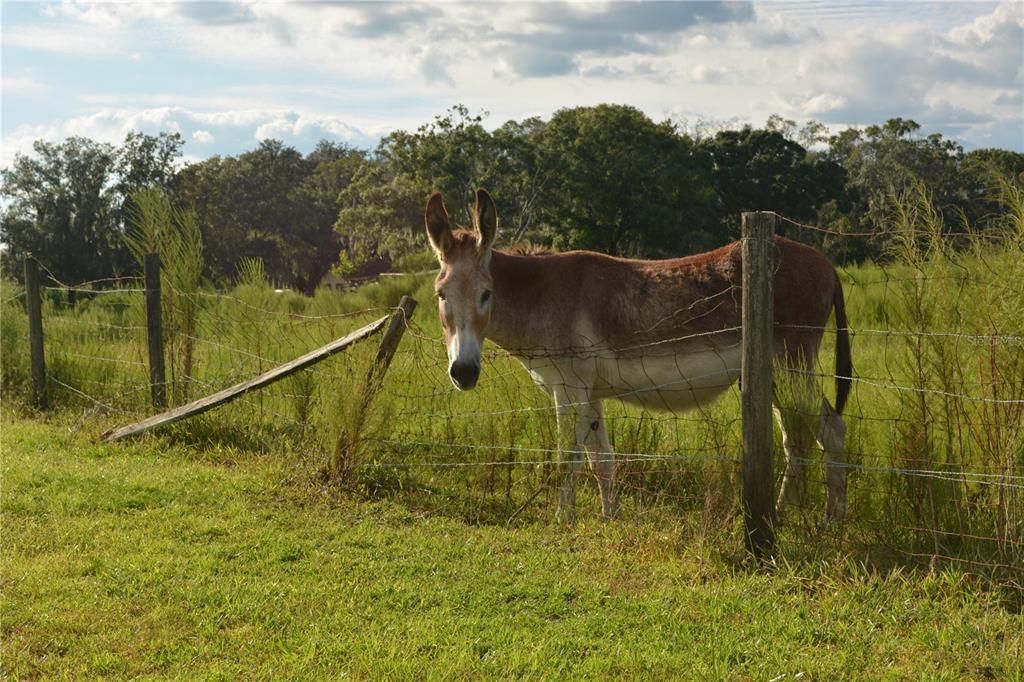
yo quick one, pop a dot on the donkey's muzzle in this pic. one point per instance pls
(464, 374)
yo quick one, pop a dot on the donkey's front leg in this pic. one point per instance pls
(570, 450)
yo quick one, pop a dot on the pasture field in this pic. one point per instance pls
(162, 560)
(307, 530)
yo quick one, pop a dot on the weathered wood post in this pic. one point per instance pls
(756, 378)
(397, 325)
(349, 436)
(155, 332)
(34, 307)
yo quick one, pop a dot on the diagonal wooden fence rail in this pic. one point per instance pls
(399, 321)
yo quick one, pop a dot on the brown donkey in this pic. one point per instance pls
(661, 334)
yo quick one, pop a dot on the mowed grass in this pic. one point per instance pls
(154, 560)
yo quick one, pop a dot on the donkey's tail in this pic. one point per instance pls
(844, 363)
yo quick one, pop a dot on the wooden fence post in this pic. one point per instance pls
(388, 345)
(34, 307)
(155, 332)
(350, 433)
(756, 378)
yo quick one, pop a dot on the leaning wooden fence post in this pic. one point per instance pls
(756, 378)
(397, 325)
(155, 332)
(34, 307)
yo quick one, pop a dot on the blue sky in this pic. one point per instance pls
(226, 74)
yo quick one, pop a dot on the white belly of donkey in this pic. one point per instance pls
(667, 382)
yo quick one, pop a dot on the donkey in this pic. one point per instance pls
(661, 334)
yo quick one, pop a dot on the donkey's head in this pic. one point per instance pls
(464, 296)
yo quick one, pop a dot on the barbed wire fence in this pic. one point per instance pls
(935, 419)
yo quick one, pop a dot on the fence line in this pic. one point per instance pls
(84, 286)
(451, 445)
(282, 313)
(877, 383)
(897, 332)
(840, 233)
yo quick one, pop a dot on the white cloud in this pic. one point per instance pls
(702, 73)
(950, 81)
(294, 126)
(823, 103)
(15, 85)
(383, 39)
(1006, 19)
(21, 139)
(62, 39)
(434, 67)
(355, 71)
(233, 118)
(111, 14)
(776, 30)
(239, 130)
(994, 42)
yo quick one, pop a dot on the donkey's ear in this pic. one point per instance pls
(439, 229)
(485, 220)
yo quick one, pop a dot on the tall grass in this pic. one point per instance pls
(960, 406)
(485, 455)
(15, 372)
(174, 234)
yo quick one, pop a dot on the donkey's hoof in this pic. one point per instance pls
(835, 512)
(566, 516)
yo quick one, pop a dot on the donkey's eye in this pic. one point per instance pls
(440, 295)
(485, 297)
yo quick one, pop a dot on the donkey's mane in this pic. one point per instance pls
(529, 249)
(465, 238)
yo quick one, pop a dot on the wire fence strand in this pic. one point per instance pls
(934, 424)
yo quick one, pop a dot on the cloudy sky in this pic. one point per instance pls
(226, 74)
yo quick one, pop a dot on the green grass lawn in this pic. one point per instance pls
(146, 560)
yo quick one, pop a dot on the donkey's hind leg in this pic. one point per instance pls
(797, 406)
(832, 436)
(797, 439)
(602, 461)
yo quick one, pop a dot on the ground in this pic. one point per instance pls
(152, 560)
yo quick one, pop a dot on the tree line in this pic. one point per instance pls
(605, 177)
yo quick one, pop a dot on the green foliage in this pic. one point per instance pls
(418, 418)
(619, 183)
(453, 154)
(381, 216)
(15, 372)
(174, 235)
(62, 209)
(68, 204)
(763, 170)
(470, 473)
(604, 177)
(959, 390)
(882, 161)
(274, 204)
(416, 261)
(382, 210)
(251, 273)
